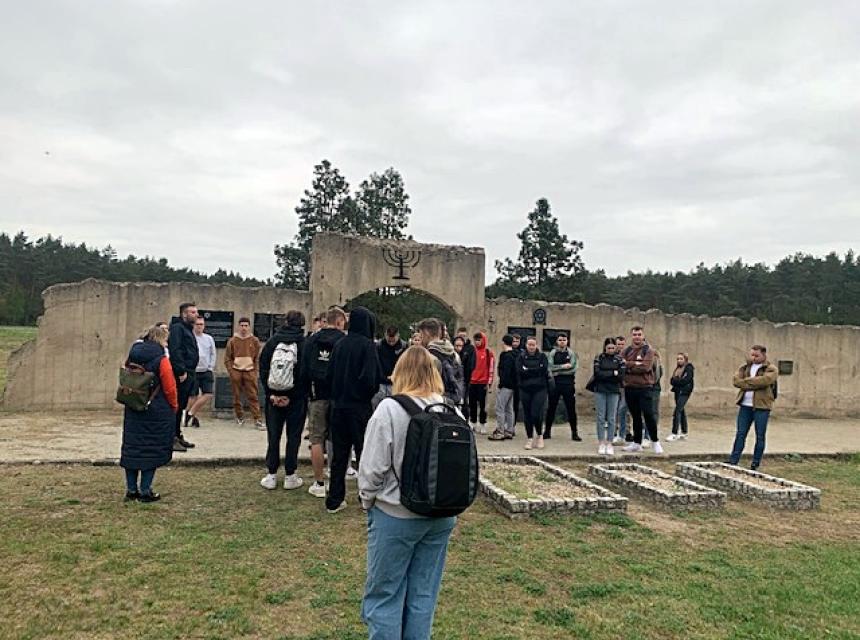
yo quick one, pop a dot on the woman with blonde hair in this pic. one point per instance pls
(147, 436)
(405, 551)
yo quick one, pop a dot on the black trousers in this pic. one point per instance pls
(562, 391)
(679, 417)
(347, 428)
(478, 403)
(640, 403)
(293, 416)
(516, 404)
(183, 391)
(533, 406)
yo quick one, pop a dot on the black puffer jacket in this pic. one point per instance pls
(354, 374)
(182, 346)
(683, 384)
(608, 373)
(533, 372)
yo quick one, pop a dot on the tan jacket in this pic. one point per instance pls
(761, 384)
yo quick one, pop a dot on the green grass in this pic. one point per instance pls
(10, 339)
(221, 558)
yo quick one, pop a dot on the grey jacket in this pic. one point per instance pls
(382, 457)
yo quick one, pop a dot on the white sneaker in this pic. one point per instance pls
(539, 442)
(683, 436)
(259, 425)
(339, 507)
(672, 437)
(601, 450)
(474, 426)
(646, 444)
(317, 490)
(482, 429)
(609, 450)
(633, 447)
(240, 421)
(293, 481)
(658, 449)
(528, 443)
(351, 473)
(617, 440)
(269, 481)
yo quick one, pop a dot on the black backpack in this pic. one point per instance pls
(439, 476)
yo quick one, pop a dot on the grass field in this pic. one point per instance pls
(10, 339)
(221, 558)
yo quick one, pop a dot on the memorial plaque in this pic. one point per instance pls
(539, 316)
(265, 324)
(524, 332)
(785, 367)
(219, 325)
(551, 335)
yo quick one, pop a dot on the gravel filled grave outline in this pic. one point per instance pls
(752, 485)
(519, 486)
(657, 487)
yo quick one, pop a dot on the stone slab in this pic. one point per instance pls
(687, 494)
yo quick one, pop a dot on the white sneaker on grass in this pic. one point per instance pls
(633, 448)
(609, 450)
(293, 481)
(601, 450)
(658, 448)
(269, 481)
(339, 507)
(351, 473)
(317, 490)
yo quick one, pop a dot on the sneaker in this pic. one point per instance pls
(339, 507)
(575, 437)
(178, 446)
(601, 450)
(240, 421)
(528, 443)
(195, 422)
(547, 435)
(509, 436)
(539, 442)
(269, 481)
(149, 497)
(672, 437)
(351, 473)
(610, 451)
(658, 449)
(132, 495)
(496, 435)
(317, 489)
(293, 481)
(617, 440)
(474, 426)
(633, 447)
(683, 436)
(646, 444)
(628, 437)
(482, 429)
(260, 425)
(185, 443)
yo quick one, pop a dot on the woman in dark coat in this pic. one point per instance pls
(682, 388)
(147, 436)
(534, 381)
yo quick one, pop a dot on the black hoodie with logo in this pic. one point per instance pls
(354, 374)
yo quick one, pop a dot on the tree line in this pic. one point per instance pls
(800, 288)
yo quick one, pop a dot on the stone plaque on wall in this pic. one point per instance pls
(219, 325)
(524, 332)
(265, 325)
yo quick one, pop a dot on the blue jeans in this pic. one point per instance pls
(621, 417)
(405, 560)
(146, 477)
(607, 410)
(746, 417)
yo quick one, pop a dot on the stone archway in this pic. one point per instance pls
(343, 267)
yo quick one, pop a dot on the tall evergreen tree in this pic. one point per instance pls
(545, 253)
(384, 204)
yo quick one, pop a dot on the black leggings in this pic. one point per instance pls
(533, 405)
(640, 402)
(679, 417)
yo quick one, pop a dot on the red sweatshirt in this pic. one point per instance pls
(484, 363)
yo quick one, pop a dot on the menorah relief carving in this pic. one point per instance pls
(401, 259)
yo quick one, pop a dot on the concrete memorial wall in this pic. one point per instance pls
(87, 327)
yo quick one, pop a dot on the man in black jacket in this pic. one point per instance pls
(389, 349)
(505, 393)
(284, 406)
(184, 355)
(354, 376)
(467, 358)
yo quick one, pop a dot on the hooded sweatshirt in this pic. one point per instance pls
(242, 354)
(354, 374)
(484, 363)
(388, 356)
(508, 369)
(326, 339)
(287, 335)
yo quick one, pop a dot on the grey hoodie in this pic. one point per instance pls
(382, 457)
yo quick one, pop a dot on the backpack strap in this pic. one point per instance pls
(409, 405)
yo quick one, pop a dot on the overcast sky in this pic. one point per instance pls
(663, 133)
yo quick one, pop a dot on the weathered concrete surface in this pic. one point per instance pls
(343, 267)
(825, 380)
(96, 435)
(85, 333)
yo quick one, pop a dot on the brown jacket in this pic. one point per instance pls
(242, 354)
(639, 366)
(761, 384)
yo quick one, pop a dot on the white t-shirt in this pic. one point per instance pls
(748, 395)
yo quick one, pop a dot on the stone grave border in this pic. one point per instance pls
(695, 497)
(517, 508)
(791, 495)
